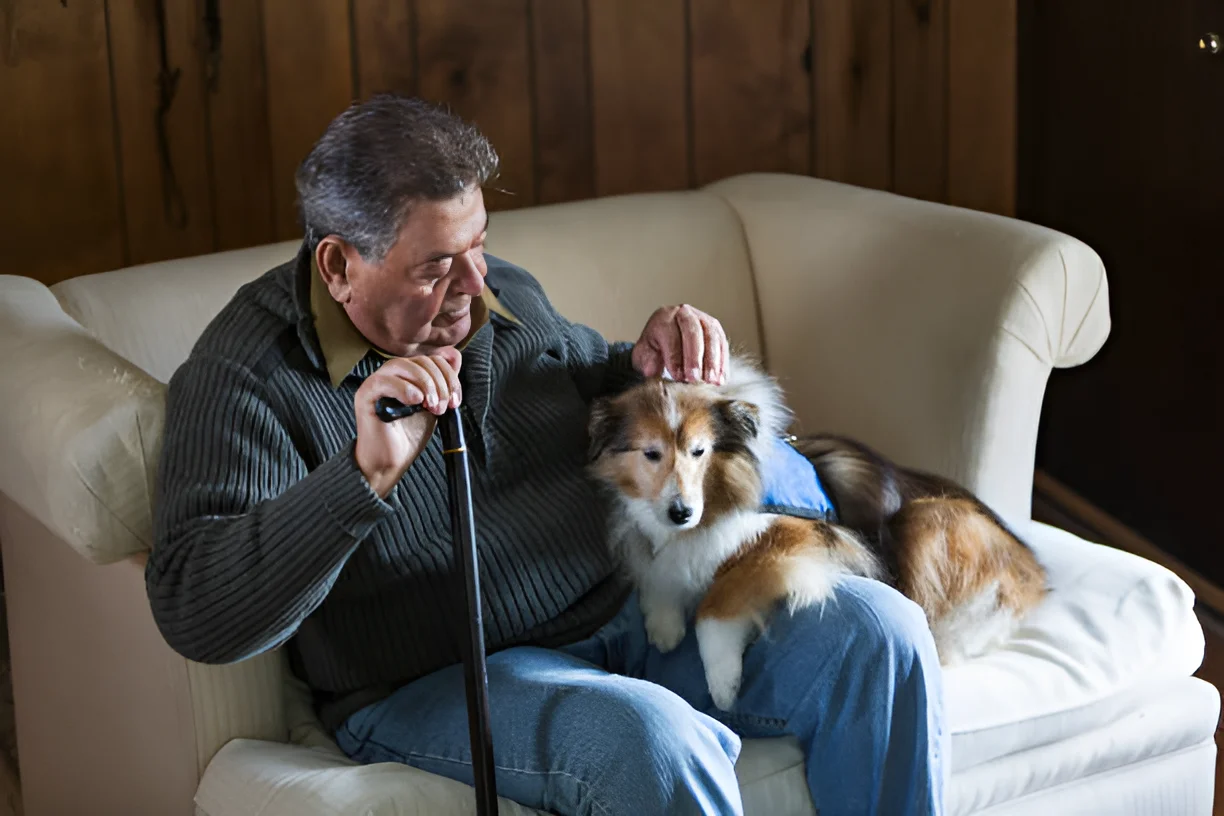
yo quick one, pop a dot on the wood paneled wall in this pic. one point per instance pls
(139, 130)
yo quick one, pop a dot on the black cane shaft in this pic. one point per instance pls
(463, 536)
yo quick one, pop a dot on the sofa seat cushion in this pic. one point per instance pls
(1173, 717)
(253, 778)
(1113, 626)
(1168, 720)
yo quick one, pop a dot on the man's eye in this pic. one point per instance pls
(653, 455)
(698, 452)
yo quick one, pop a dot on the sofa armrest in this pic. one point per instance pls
(109, 718)
(253, 778)
(80, 430)
(925, 330)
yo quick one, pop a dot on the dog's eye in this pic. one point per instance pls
(697, 452)
(653, 455)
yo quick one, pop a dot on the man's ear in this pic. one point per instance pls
(331, 256)
(738, 424)
(605, 427)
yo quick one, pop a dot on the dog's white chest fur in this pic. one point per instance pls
(672, 571)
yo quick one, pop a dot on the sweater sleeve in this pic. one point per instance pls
(247, 542)
(600, 368)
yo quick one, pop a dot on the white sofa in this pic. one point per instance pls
(925, 330)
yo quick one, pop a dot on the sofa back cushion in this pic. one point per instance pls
(607, 263)
(153, 314)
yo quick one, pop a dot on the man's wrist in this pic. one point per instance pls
(381, 480)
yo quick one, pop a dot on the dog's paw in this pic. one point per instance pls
(724, 682)
(721, 644)
(665, 629)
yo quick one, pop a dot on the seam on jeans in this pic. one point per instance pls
(582, 783)
(730, 717)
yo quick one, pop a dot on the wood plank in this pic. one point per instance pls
(565, 161)
(60, 213)
(167, 195)
(238, 130)
(752, 98)
(310, 81)
(384, 45)
(478, 63)
(982, 53)
(639, 81)
(920, 98)
(852, 88)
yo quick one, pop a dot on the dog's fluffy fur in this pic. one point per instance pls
(683, 464)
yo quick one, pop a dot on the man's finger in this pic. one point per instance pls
(436, 383)
(451, 373)
(724, 352)
(714, 351)
(692, 339)
(452, 356)
(392, 384)
(411, 372)
(671, 345)
(647, 360)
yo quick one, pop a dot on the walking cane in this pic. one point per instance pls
(463, 538)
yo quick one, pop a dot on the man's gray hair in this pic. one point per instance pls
(377, 159)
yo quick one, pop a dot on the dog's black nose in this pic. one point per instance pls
(679, 512)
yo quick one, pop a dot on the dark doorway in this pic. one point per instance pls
(1121, 145)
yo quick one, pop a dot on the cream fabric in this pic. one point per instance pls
(239, 700)
(925, 330)
(1114, 626)
(1173, 725)
(1177, 784)
(1179, 716)
(153, 314)
(80, 429)
(609, 263)
(252, 778)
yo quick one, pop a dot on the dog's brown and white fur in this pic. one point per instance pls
(683, 463)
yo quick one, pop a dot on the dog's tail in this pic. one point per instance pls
(866, 489)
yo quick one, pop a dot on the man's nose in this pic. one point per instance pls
(679, 512)
(468, 278)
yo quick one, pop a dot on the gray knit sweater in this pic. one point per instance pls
(267, 533)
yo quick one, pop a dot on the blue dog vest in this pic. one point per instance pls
(791, 486)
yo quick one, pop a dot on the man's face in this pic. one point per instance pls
(419, 297)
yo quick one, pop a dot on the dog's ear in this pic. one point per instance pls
(605, 427)
(738, 423)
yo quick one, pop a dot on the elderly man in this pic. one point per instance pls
(289, 514)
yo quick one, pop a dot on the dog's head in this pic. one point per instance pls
(676, 454)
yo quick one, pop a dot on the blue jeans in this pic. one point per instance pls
(611, 726)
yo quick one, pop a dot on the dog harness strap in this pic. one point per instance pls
(791, 486)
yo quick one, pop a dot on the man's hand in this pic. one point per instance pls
(690, 344)
(386, 449)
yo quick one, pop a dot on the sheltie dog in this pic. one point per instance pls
(684, 465)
